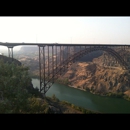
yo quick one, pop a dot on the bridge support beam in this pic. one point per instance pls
(47, 67)
(42, 67)
(10, 52)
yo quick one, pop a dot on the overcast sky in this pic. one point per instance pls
(108, 30)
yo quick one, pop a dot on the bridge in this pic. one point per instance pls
(55, 59)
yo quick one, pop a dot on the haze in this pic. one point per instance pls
(104, 30)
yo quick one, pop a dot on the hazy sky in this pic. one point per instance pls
(65, 29)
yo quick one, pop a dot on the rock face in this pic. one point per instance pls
(98, 79)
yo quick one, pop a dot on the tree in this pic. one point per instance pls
(14, 81)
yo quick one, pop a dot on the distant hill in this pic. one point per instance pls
(9, 60)
(29, 49)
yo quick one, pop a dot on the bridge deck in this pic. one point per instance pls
(59, 44)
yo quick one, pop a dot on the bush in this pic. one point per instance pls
(72, 105)
(66, 103)
(55, 98)
(37, 106)
(118, 95)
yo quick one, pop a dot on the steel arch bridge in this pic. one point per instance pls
(55, 59)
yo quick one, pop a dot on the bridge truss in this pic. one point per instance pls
(54, 60)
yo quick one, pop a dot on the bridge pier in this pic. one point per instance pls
(10, 52)
(42, 67)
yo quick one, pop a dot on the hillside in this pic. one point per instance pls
(97, 79)
(9, 60)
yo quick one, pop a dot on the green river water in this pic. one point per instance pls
(86, 99)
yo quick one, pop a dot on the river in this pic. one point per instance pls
(86, 99)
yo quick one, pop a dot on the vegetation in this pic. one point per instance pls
(110, 94)
(64, 81)
(17, 94)
(117, 95)
(55, 98)
(83, 110)
(126, 97)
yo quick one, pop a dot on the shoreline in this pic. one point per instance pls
(76, 87)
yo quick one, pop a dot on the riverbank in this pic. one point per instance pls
(116, 95)
(76, 87)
